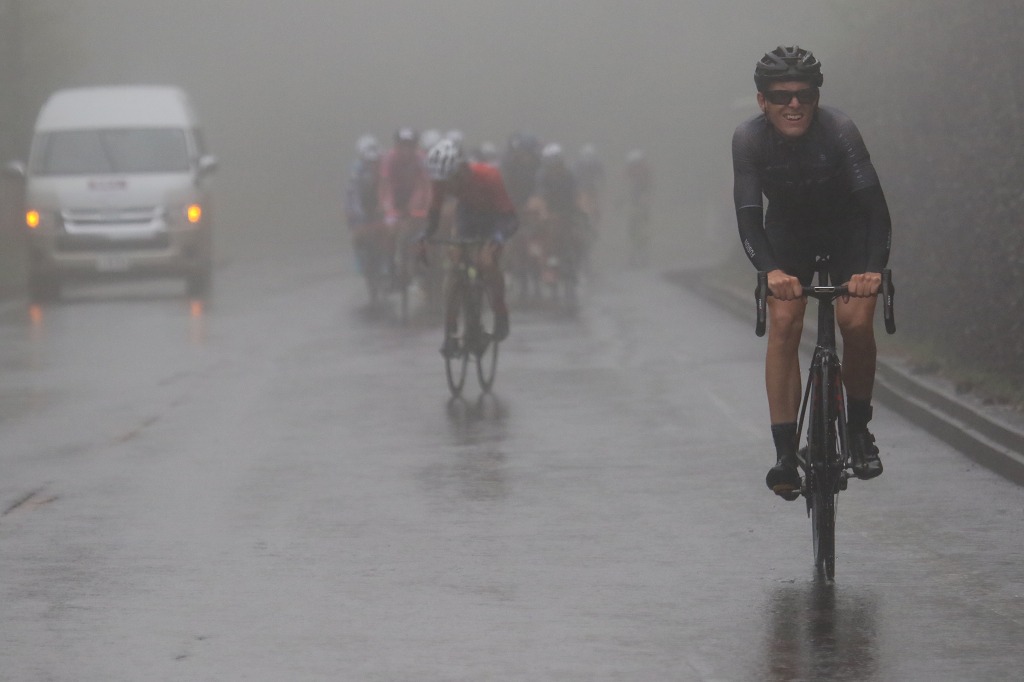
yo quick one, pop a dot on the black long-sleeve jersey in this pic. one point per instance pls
(818, 185)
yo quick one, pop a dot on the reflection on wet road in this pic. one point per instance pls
(274, 484)
(820, 631)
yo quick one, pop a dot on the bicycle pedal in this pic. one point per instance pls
(786, 493)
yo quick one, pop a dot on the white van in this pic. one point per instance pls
(117, 186)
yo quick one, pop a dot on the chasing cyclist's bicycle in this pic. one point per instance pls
(826, 463)
(473, 338)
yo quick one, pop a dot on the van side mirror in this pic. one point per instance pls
(207, 164)
(15, 169)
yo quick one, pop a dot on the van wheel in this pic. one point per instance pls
(43, 288)
(198, 284)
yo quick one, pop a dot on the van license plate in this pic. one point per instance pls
(112, 262)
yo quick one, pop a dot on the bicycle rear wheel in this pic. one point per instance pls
(486, 351)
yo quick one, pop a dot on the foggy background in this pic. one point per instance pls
(285, 88)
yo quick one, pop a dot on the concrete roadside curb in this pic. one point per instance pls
(970, 427)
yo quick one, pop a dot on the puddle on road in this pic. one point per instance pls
(816, 628)
(474, 466)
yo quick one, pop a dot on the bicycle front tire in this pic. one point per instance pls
(823, 525)
(455, 364)
(486, 352)
(455, 371)
(823, 484)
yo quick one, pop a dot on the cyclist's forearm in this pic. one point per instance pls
(879, 237)
(755, 244)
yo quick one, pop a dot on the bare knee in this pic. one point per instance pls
(856, 321)
(785, 322)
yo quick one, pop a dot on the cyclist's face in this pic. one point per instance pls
(793, 118)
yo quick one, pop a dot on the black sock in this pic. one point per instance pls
(784, 436)
(858, 414)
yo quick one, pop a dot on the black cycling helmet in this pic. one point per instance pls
(787, 64)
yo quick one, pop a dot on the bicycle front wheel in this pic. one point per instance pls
(456, 359)
(486, 351)
(823, 480)
(823, 524)
(455, 370)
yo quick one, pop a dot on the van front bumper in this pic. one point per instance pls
(95, 255)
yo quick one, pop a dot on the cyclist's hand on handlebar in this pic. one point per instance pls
(865, 284)
(784, 287)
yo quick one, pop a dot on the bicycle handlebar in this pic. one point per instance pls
(453, 241)
(887, 292)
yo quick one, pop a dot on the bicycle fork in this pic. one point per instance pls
(826, 454)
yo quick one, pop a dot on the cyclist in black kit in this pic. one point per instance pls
(824, 198)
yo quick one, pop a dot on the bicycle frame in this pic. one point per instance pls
(825, 461)
(823, 394)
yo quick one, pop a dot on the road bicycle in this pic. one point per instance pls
(473, 336)
(825, 462)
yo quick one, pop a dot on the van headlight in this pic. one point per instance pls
(188, 214)
(42, 220)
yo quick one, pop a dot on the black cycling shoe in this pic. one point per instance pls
(784, 479)
(866, 463)
(451, 347)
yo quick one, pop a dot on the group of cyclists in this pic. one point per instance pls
(808, 160)
(395, 202)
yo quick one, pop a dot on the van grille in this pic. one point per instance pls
(122, 229)
(92, 242)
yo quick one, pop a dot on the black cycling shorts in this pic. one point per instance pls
(796, 248)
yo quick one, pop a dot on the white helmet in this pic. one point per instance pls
(456, 136)
(443, 160)
(368, 148)
(552, 152)
(429, 138)
(488, 151)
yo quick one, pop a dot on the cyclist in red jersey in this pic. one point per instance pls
(404, 183)
(484, 211)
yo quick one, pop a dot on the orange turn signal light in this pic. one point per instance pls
(194, 213)
(32, 219)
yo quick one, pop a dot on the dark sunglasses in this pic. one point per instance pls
(805, 96)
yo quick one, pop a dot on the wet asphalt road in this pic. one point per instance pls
(275, 486)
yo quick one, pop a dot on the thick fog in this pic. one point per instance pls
(285, 87)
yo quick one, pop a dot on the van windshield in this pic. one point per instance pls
(92, 152)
